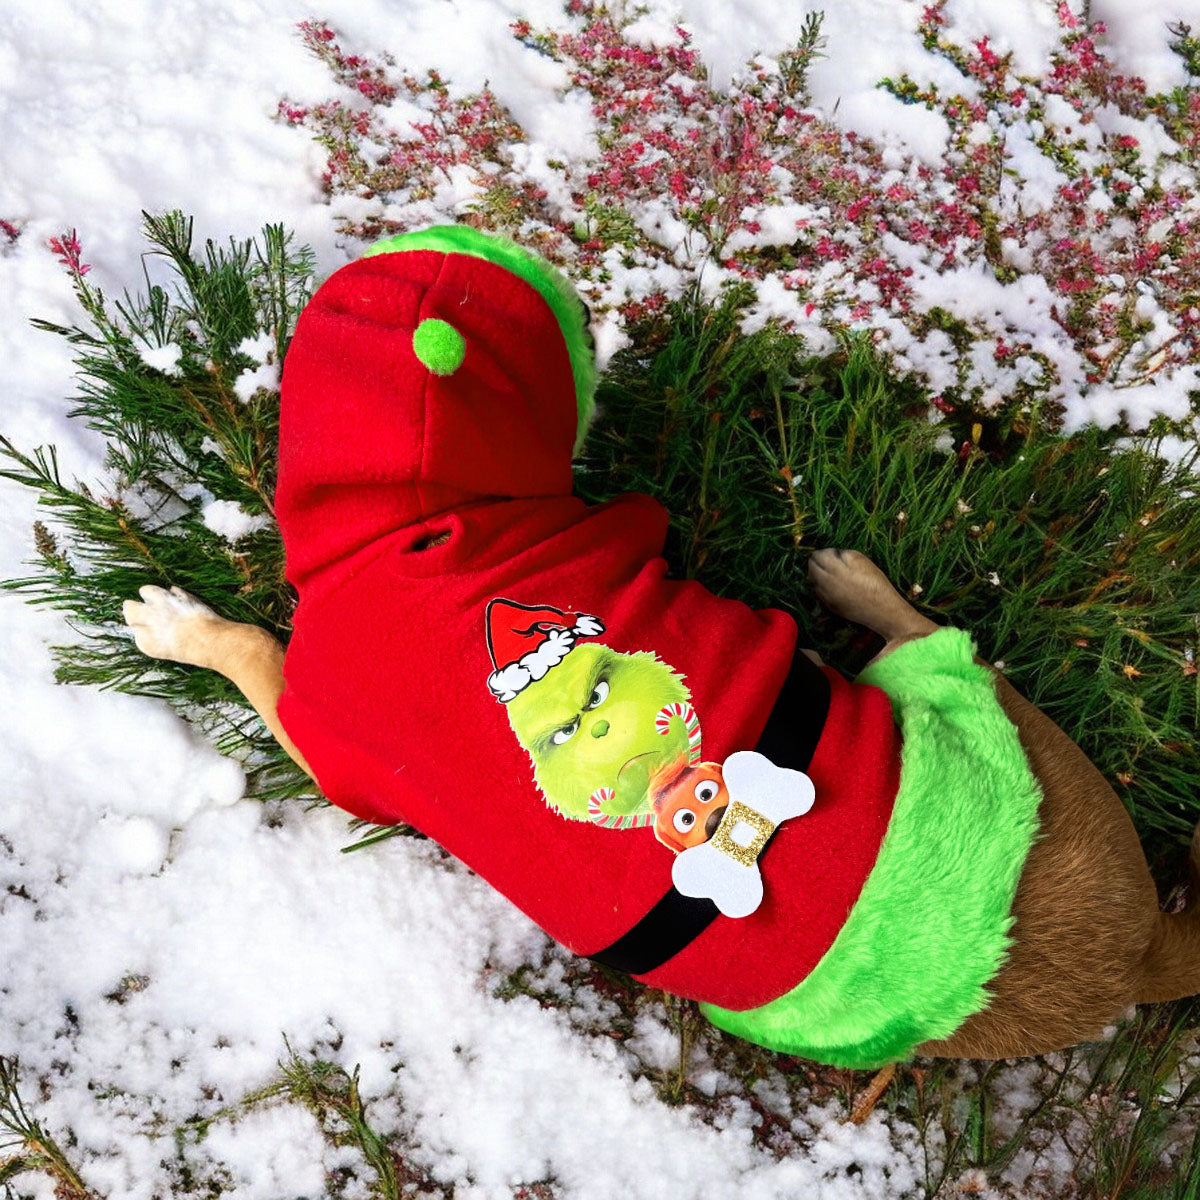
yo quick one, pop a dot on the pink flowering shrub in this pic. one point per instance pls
(1053, 252)
(1109, 230)
(452, 142)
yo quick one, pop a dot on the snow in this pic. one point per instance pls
(1142, 403)
(248, 383)
(652, 34)
(232, 522)
(162, 935)
(163, 358)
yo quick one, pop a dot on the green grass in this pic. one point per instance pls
(1074, 560)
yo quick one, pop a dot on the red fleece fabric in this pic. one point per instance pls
(386, 672)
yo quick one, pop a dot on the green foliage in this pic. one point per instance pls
(1186, 45)
(1073, 560)
(178, 437)
(795, 61)
(332, 1095)
(25, 1146)
(1179, 107)
(1127, 1108)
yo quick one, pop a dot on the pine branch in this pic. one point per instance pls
(158, 379)
(332, 1095)
(26, 1146)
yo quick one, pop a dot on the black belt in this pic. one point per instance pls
(789, 740)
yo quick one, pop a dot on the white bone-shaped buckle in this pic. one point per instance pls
(725, 868)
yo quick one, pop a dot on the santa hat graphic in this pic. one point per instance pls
(526, 640)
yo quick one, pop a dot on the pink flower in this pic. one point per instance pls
(1065, 16)
(933, 15)
(1145, 259)
(986, 54)
(68, 250)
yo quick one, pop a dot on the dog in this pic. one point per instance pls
(431, 400)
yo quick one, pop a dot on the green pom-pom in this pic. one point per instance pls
(555, 288)
(439, 346)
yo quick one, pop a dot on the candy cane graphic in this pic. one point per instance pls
(662, 724)
(691, 722)
(598, 816)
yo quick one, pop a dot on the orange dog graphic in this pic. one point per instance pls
(689, 801)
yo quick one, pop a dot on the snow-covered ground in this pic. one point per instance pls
(160, 936)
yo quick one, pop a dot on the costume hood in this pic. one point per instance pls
(470, 362)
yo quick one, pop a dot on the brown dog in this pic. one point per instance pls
(1089, 938)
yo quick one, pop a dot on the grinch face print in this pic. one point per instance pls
(614, 740)
(591, 723)
(596, 723)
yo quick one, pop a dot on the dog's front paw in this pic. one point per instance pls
(174, 625)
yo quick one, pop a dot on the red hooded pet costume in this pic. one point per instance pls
(479, 654)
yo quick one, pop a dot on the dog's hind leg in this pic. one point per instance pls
(175, 625)
(1171, 966)
(852, 586)
(1089, 939)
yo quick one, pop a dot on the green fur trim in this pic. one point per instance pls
(555, 288)
(930, 927)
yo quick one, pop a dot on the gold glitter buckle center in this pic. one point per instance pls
(739, 814)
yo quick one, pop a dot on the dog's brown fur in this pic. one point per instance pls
(1089, 939)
